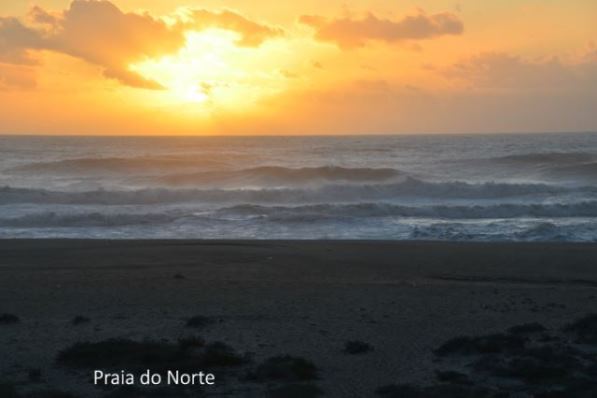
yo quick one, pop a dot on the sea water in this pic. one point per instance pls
(534, 187)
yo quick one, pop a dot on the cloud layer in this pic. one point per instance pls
(98, 32)
(349, 33)
(502, 71)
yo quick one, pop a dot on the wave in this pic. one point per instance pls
(365, 210)
(579, 170)
(505, 231)
(408, 188)
(92, 219)
(280, 176)
(541, 231)
(311, 214)
(547, 158)
(183, 172)
(115, 165)
(258, 175)
(572, 167)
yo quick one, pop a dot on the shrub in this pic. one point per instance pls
(490, 344)
(198, 322)
(187, 355)
(9, 319)
(296, 391)
(585, 329)
(357, 347)
(79, 320)
(285, 368)
(527, 328)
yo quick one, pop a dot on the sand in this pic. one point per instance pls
(267, 298)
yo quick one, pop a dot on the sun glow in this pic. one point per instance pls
(212, 71)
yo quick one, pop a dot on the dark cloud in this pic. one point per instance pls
(100, 33)
(17, 41)
(348, 33)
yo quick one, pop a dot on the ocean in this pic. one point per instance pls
(534, 187)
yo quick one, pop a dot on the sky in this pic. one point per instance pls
(270, 67)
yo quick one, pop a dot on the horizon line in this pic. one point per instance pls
(50, 135)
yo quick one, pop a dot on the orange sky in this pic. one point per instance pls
(308, 67)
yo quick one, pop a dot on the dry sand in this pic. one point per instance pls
(283, 297)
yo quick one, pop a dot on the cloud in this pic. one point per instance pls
(503, 71)
(38, 15)
(99, 33)
(252, 33)
(16, 41)
(349, 33)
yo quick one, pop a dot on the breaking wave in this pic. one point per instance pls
(365, 210)
(306, 213)
(93, 219)
(205, 173)
(114, 165)
(280, 176)
(408, 188)
(539, 187)
(553, 158)
(571, 166)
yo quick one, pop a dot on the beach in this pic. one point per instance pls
(265, 299)
(269, 199)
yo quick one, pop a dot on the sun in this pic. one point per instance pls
(212, 71)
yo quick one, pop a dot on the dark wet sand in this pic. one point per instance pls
(284, 297)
